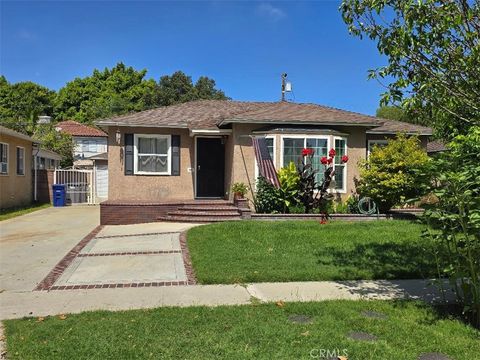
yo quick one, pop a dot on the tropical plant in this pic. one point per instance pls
(394, 173)
(240, 189)
(289, 186)
(454, 219)
(311, 194)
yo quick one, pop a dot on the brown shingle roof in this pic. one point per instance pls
(395, 127)
(436, 146)
(211, 114)
(76, 129)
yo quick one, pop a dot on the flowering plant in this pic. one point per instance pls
(312, 194)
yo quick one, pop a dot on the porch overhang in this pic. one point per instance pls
(197, 132)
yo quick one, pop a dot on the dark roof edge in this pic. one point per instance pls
(420, 132)
(294, 122)
(108, 123)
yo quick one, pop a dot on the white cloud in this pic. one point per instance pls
(271, 12)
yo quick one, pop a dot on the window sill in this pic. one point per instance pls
(151, 174)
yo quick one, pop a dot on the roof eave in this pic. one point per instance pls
(120, 124)
(295, 122)
(421, 133)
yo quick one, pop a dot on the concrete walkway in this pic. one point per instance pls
(32, 244)
(43, 303)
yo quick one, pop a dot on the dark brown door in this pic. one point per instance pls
(210, 167)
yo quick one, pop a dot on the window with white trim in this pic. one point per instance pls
(292, 151)
(20, 160)
(339, 166)
(3, 158)
(373, 143)
(152, 154)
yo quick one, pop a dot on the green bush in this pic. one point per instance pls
(455, 219)
(266, 199)
(289, 186)
(394, 173)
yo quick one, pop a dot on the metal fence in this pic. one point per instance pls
(80, 185)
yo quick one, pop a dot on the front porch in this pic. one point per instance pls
(123, 212)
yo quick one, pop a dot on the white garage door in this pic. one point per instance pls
(102, 181)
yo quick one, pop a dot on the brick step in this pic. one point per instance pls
(212, 213)
(208, 208)
(198, 219)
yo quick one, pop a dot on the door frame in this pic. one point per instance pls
(195, 168)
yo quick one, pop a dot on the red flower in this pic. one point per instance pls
(324, 160)
(332, 152)
(330, 160)
(344, 158)
(307, 152)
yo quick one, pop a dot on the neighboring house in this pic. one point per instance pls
(196, 150)
(44, 159)
(90, 152)
(15, 168)
(435, 147)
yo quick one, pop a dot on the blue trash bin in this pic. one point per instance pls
(59, 195)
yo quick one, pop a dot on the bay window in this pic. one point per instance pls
(340, 168)
(152, 154)
(292, 151)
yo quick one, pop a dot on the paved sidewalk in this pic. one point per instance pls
(43, 303)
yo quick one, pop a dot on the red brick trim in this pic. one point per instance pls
(132, 253)
(49, 280)
(119, 285)
(192, 279)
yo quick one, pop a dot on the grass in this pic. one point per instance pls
(244, 332)
(6, 214)
(254, 251)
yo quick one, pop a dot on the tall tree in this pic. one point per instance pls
(106, 93)
(21, 103)
(395, 112)
(433, 52)
(178, 88)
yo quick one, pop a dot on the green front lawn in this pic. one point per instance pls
(244, 332)
(254, 251)
(14, 212)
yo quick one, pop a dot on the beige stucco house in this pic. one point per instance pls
(197, 150)
(15, 169)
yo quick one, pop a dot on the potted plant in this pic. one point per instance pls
(239, 190)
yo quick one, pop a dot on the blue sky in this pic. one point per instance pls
(244, 46)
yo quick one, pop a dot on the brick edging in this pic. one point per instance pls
(155, 252)
(49, 280)
(187, 261)
(119, 285)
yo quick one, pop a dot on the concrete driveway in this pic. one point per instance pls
(31, 245)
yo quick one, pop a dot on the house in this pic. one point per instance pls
(44, 159)
(15, 168)
(196, 150)
(90, 152)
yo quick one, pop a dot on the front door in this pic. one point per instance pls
(210, 167)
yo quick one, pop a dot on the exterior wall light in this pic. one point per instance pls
(118, 137)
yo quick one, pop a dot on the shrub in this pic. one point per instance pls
(352, 204)
(395, 172)
(289, 186)
(455, 219)
(266, 199)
